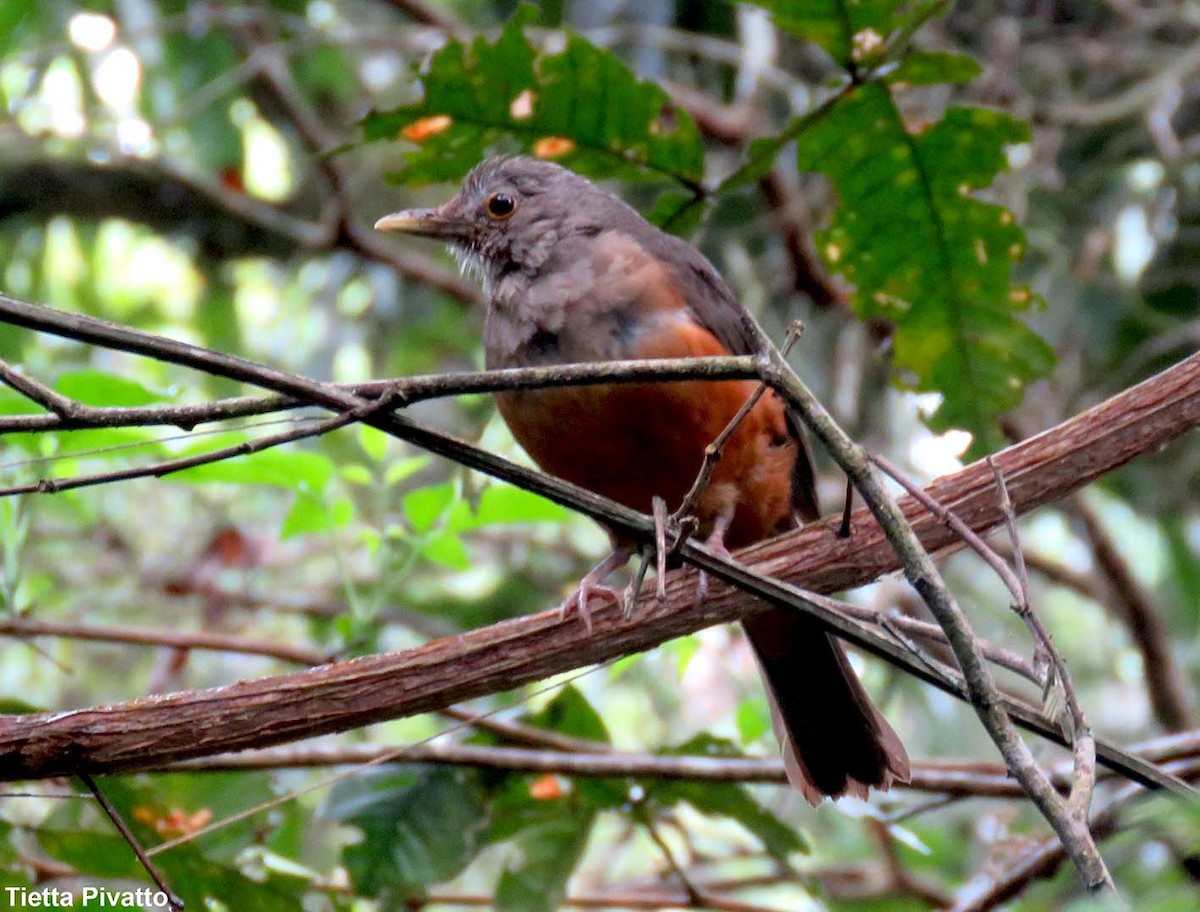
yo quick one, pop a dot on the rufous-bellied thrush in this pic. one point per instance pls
(573, 274)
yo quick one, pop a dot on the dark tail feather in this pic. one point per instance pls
(834, 741)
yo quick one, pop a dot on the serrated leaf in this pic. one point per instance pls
(724, 800)
(93, 387)
(582, 106)
(927, 256)
(420, 826)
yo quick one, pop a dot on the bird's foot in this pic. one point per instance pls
(580, 601)
(589, 587)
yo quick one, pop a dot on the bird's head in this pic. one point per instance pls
(509, 215)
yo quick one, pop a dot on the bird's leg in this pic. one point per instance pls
(629, 596)
(660, 548)
(590, 585)
(715, 541)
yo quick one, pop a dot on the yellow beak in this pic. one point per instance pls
(423, 222)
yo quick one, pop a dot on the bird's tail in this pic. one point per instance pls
(834, 741)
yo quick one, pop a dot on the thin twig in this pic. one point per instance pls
(23, 627)
(408, 390)
(960, 528)
(1043, 649)
(695, 898)
(170, 466)
(577, 757)
(923, 575)
(31, 389)
(1083, 746)
(712, 452)
(1044, 858)
(173, 900)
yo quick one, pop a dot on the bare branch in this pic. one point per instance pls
(23, 628)
(1044, 859)
(509, 654)
(923, 575)
(173, 900)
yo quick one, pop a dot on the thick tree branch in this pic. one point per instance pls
(336, 697)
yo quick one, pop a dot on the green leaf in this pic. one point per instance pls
(478, 93)
(373, 441)
(403, 468)
(927, 256)
(549, 847)
(310, 513)
(13, 403)
(447, 549)
(13, 17)
(357, 474)
(847, 29)
(276, 467)
(200, 881)
(571, 714)
(678, 212)
(420, 826)
(15, 706)
(724, 800)
(753, 719)
(934, 67)
(76, 834)
(93, 387)
(425, 506)
(501, 503)
(112, 443)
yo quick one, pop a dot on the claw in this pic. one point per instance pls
(590, 587)
(580, 599)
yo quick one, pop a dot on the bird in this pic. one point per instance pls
(573, 274)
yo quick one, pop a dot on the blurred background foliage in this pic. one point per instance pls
(210, 171)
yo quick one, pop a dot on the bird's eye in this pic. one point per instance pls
(500, 205)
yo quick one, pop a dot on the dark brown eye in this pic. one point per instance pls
(500, 205)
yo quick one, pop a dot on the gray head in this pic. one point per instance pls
(511, 213)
